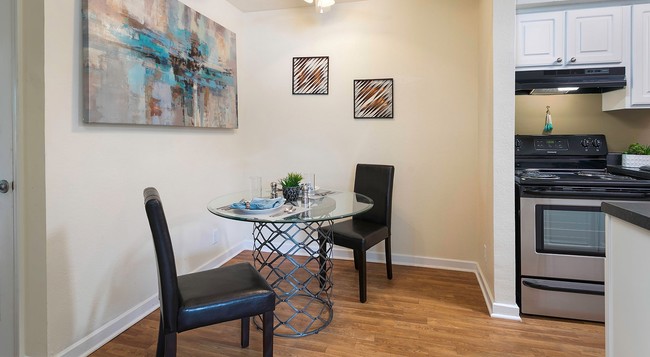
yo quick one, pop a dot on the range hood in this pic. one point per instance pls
(570, 81)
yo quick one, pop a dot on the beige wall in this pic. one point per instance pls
(99, 256)
(100, 261)
(430, 48)
(30, 180)
(485, 140)
(582, 114)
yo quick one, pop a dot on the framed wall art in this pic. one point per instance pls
(311, 75)
(373, 98)
(157, 63)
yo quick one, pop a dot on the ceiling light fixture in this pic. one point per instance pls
(321, 5)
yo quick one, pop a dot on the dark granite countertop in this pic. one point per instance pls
(637, 213)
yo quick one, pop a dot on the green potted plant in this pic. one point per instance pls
(636, 155)
(291, 186)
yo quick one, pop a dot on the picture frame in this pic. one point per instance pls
(164, 64)
(310, 75)
(373, 98)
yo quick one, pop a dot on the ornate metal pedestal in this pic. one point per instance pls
(296, 259)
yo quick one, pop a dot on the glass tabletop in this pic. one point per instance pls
(323, 206)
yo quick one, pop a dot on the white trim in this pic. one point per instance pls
(505, 311)
(113, 328)
(226, 256)
(495, 310)
(110, 330)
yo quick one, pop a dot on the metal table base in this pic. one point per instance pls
(296, 260)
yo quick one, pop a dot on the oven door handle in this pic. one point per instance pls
(550, 286)
(589, 194)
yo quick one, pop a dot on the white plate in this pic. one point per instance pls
(258, 211)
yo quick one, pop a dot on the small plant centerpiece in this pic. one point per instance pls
(636, 155)
(291, 186)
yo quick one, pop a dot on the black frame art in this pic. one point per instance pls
(373, 98)
(311, 75)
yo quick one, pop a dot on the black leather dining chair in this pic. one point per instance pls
(367, 229)
(208, 297)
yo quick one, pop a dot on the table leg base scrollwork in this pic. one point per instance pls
(296, 260)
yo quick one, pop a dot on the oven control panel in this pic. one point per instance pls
(561, 145)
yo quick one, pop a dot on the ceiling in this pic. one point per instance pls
(265, 5)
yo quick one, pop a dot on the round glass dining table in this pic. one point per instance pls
(292, 249)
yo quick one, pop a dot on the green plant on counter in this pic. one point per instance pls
(637, 149)
(292, 180)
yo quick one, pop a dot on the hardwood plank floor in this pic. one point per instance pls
(421, 312)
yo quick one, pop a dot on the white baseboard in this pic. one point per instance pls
(495, 310)
(505, 311)
(111, 329)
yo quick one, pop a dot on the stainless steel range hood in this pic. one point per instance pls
(570, 81)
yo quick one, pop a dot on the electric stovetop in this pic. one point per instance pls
(630, 171)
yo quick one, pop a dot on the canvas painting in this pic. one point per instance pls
(155, 62)
(311, 75)
(373, 98)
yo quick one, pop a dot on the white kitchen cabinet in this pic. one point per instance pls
(637, 93)
(595, 36)
(576, 38)
(627, 289)
(640, 91)
(540, 39)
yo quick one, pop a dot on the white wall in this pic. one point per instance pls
(100, 259)
(503, 129)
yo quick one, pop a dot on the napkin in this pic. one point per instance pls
(259, 203)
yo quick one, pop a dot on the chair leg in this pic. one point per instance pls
(356, 259)
(166, 346)
(267, 334)
(160, 348)
(362, 275)
(245, 331)
(389, 259)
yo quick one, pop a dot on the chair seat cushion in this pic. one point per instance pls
(358, 234)
(222, 294)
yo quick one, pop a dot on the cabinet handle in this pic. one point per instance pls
(573, 59)
(559, 60)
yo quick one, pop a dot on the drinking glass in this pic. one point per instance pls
(309, 179)
(255, 188)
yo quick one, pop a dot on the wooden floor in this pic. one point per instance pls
(421, 312)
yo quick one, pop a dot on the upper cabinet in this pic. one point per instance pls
(595, 36)
(637, 93)
(640, 93)
(540, 39)
(575, 38)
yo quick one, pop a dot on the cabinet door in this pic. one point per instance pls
(540, 39)
(640, 93)
(595, 36)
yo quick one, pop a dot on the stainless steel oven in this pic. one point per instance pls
(561, 182)
(562, 258)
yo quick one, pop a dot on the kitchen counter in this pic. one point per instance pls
(637, 213)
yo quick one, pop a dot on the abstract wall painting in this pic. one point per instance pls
(373, 98)
(311, 75)
(156, 62)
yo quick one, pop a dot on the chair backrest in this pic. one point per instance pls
(167, 278)
(376, 182)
